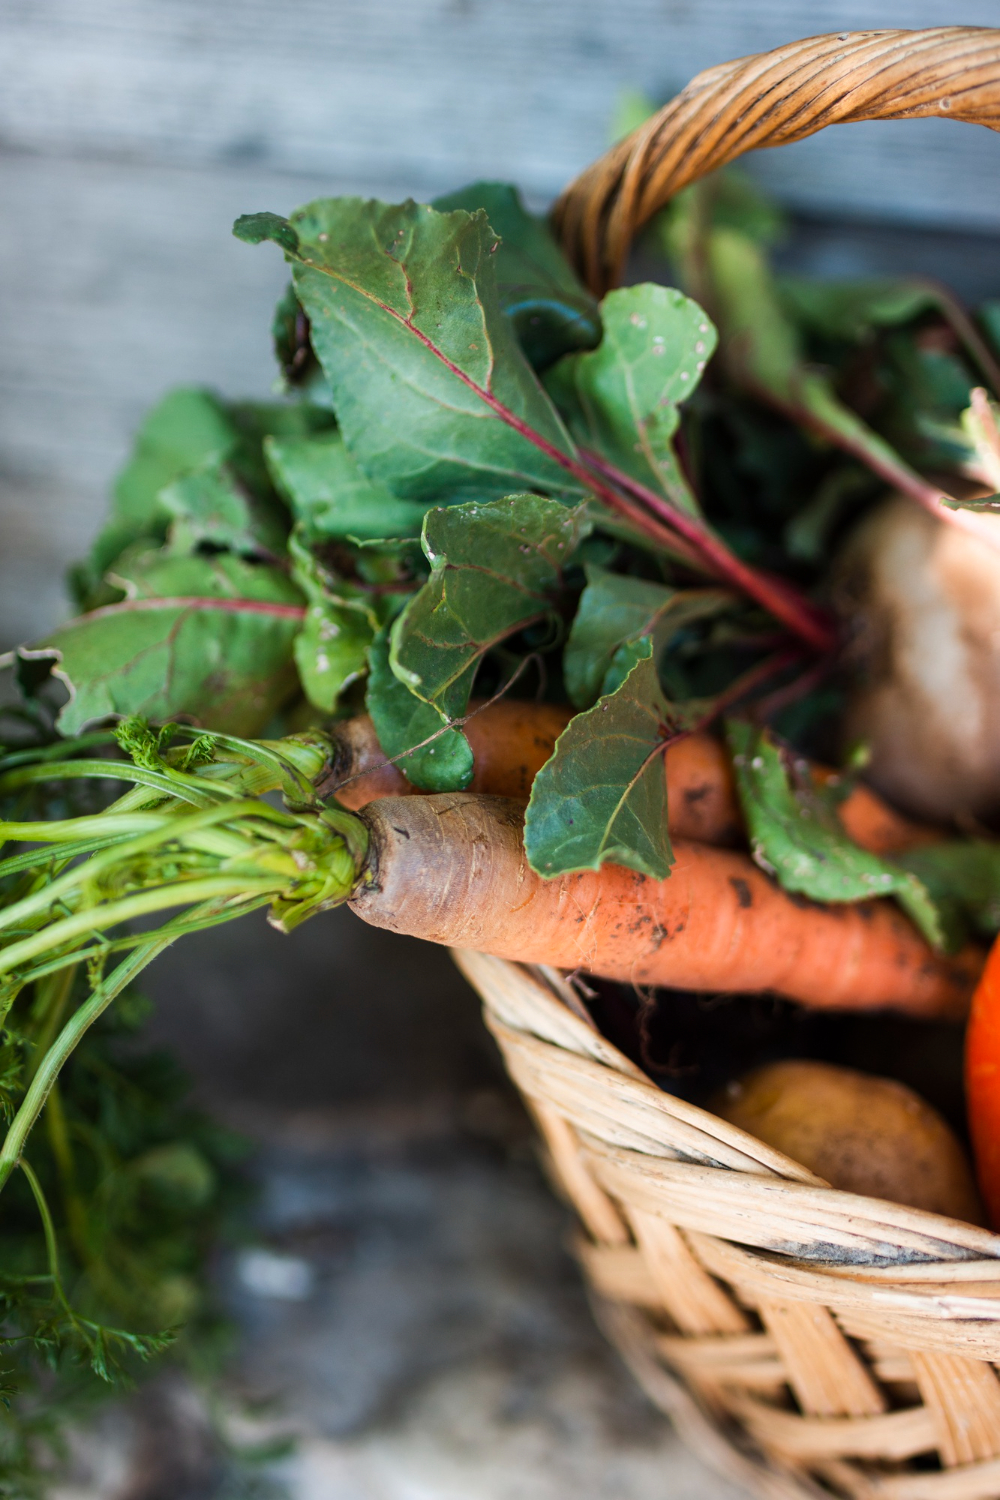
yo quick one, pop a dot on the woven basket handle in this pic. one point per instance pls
(768, 100)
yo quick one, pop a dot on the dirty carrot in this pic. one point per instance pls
(451, 868)
(511, 741)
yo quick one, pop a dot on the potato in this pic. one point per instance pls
(865, 1135)
(920, 601)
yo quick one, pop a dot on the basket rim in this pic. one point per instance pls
(556, 1026)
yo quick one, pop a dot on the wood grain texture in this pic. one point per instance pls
(434, 91)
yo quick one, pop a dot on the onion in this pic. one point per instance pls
(920, 601)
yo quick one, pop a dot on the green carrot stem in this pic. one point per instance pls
(48, 1229)
(56, 751)
(64, 830)
(35, 859)
(62, 1150)
(107, 770)
(172, 828)
(57, 996)
(212, 914)
(48, 1071)
(144, 904)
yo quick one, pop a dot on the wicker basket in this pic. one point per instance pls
(806, 1341)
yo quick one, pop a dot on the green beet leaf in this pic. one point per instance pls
(432, 392)
(204, 638)
(209, 505)
(494, 570)
(849, 310)
(331, 651)
(764, 354)
(614, 613)
(963, 872)
(185, 429)
(256, 421)
(300, 369)
(328, 493)
(145, 572)
(340, 625)
(602, 796)
(622, 398)
(550, 308)
(403, 721)
(796, 836)
(726, 200)
(612, 610)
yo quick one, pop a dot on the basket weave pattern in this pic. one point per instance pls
(805, 1340)
(772, 99)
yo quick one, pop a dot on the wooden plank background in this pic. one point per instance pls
(133, 131)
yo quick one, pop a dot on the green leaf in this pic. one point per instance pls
(208, 639)
(340, 625)
(622, 398)
(965, 872)
(145, 572)
(796, 836)
(256, 421)
(850, 310)
(187, 428)
(328, 493)
(614, 611)
(254, 229)
(432, 392)
(602, 796)
(494, 569)
(332, 651)
(763, 353)
(209, 505)
(550, 308)
(725, 200)
(300, 369)
(403, 721)
(989, 504)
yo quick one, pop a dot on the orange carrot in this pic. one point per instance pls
(873, 824)
(701, 793)
(511, 741)
(982, 1082)
(451, 868)
(703, 803)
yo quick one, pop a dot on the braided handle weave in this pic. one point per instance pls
(771, 99)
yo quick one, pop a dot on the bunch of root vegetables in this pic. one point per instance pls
(657, 640)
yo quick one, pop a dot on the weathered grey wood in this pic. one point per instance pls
(134, 131)
(433, 91)
(119, 280)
